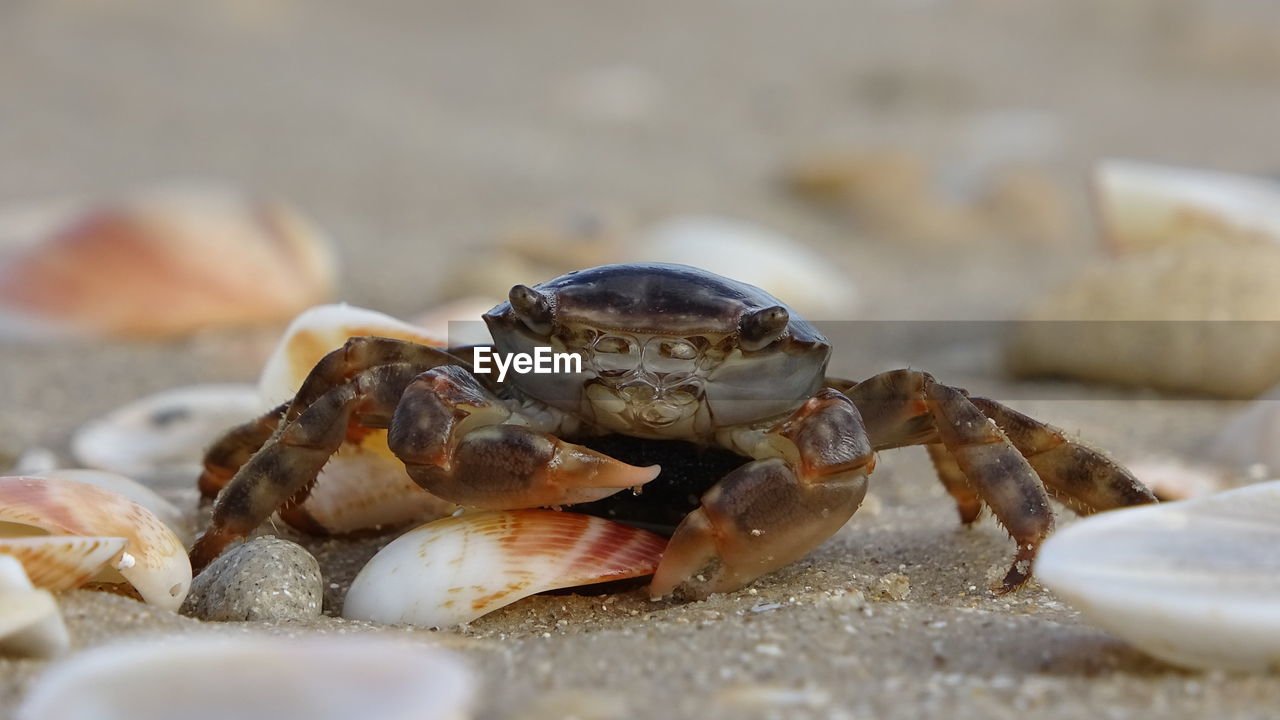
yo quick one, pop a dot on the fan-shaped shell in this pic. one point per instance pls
(166, 261)
(153, 561)
(1195, 583)
(452, 571)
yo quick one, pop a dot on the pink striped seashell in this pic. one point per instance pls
(63, 562)
(168, 261)
(452, 571)
(153, 559)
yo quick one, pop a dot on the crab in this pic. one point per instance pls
(668, 353)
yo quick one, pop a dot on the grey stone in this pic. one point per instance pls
(266, 578)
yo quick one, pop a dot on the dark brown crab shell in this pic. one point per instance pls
(623, 319)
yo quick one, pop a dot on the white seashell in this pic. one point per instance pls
(1195, 583)
(1152, 320)
(30, 621)
(1250, 440)
(364, 485)
(163, 262)
(167, 431)
(168, 513)
(804, 279)
(458, 321)
(154, 561)
(452, 571)
(255, 678)
(316, 332)
(1144, 206)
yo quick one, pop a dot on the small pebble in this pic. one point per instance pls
(266, 578)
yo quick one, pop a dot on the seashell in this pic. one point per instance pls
(154, 560)
(30, 621)
(167, 431)
(452, 571)
(63, 562)
(364, 485)
(165, 262)
(1143, 206)
(1157, 320)
(458, 321)
(808, 281)
(316, 332)
(1172, 479)
(167, 512)
(1195, 583)
(255, 678)
(1248, 440)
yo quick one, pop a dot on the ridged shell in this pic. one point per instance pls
(364, 486)
(1195, 583)
(168, 261)
(154, 561)
(452, 571)
(254, 678)
(167, 431)
(1143, 206)
(168, 513)
(30, 621)
(62, 562)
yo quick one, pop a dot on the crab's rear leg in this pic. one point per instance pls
(985, 451)
(460, 442)
(808, 478)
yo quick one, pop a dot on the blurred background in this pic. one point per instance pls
(413, 132)
(933, 156)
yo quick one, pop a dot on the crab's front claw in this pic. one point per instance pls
(503, 467)
(756, 520)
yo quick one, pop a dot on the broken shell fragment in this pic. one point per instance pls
(153, 561)
(1143, 206)
(255, 678)
(167, 431)
(30, 621)
(169, 261)
(452, 571)
(1195, 583)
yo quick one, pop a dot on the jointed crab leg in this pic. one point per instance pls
(481, 462)
(234, 449)
(809, 477)
(982, 449)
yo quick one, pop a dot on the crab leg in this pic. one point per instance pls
(233, 449)
(808, 478)
(984, 451)
(461, 443)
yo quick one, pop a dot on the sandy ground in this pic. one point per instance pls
(415, 131)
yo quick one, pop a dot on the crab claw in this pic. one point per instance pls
(505, 467)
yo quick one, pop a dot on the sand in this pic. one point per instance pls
(414, 132)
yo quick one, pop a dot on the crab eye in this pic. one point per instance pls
(532, 307)
(761, 327)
